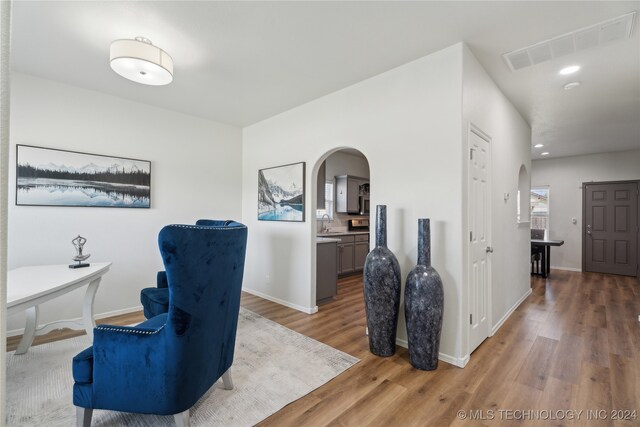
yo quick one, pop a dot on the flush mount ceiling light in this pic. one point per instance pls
(569, 70)
(546, 153)
(142, 62)
(538, 146)
(571, 85)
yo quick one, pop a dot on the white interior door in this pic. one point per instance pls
(479, 202)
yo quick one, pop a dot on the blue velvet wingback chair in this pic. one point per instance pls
(165, 364)
(156, 300)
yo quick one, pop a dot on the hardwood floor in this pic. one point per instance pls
(61, 334)
(572, 346)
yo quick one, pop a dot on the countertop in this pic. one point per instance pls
(326, 240)
(341, 233)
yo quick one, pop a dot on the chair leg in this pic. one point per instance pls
(182, 419)
(83, 417)
(226, 379)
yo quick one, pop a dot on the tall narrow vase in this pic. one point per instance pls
(382, 291)
(423, 305)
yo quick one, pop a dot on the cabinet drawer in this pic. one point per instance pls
(362, 237)
(345, 239)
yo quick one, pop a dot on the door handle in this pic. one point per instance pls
(489, 249)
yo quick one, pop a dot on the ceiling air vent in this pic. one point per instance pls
(565, 44)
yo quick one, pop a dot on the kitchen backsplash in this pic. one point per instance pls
(340, 222)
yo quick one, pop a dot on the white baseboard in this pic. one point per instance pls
(99, 316)
(456, 361)
(404, 343)
(464, 361)
(509, 312)
(308, 310)
(579, 270)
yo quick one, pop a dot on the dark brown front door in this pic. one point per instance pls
(611, 228)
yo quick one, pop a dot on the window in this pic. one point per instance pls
(328, 201)
(540, 208)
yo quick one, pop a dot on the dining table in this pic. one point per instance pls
(545, 244)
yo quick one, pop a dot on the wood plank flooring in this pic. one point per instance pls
(61, 334)
(572, 346)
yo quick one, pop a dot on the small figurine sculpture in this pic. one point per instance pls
(78, 243)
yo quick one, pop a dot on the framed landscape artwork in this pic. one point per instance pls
(50, 177)
(281, 193)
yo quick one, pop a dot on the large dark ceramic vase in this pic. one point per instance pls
(382, 291)
(423, 305)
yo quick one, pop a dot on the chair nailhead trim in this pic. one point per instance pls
(205, 227)
(130, 331)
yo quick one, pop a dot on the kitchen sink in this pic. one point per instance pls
(329, 233)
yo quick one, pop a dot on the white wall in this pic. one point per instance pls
(412, 125)
(407, 123)
(195, 167)
(565, 176)
(5, 38)
(486, 107)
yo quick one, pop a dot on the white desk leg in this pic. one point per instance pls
(29, 330)
(87, 307)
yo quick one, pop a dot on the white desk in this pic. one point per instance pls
(28, 287)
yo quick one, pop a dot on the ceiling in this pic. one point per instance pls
(242, 62)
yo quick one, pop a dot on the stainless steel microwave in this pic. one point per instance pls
(364, 205)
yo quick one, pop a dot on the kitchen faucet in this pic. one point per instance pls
(324, 227)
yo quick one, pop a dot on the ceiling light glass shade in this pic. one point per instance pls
(546, 153)
(538, 145)
(140, 61)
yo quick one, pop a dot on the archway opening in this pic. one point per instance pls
(341, 180)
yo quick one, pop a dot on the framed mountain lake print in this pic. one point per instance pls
(51, 177)
(281, 193)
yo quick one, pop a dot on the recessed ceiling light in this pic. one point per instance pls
(546, 153)
(571, 85)
(538, 146)
(569, 70)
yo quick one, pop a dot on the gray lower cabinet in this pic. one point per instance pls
(345, 256)
(360, 251)
(352, 251)
(326, 272)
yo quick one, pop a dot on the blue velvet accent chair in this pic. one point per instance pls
(165, 364)
(156, 300)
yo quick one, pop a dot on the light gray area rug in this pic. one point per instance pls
(272, 367)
